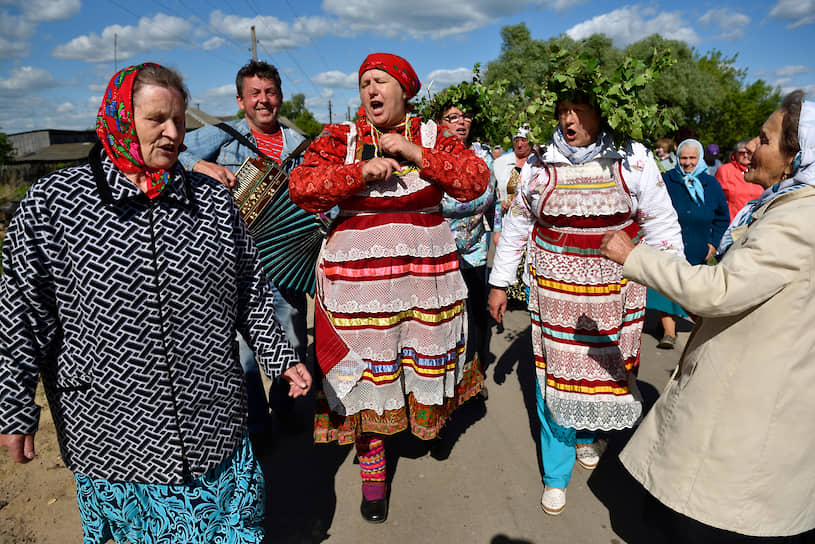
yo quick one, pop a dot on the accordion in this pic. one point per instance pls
(288, 238)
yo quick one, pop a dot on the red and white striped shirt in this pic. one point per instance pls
(270, 145)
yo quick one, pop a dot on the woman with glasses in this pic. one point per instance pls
(730, 176)
(468, 220)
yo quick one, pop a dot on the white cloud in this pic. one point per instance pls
(793, 70)
(440, 79)
(26, 80)
(15, 26)
(213, 43)
(335, 78)
(273, 34)
(797, 12)
(65, 107)
(50, 10)
(429, 18)
(36, 112)
(13, 49)
(731, 24)
(160, 32)
(630, 24)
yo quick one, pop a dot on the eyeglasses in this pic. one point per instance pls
(456, 117)
(743, 152)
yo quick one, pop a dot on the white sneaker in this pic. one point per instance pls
(588, 455)
(553, 500)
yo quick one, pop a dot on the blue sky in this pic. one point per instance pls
(56, 56)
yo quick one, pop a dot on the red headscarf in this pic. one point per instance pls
(116, 129)
(395, 66)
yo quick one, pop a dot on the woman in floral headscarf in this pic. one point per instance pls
(389, 312)
(124, 283)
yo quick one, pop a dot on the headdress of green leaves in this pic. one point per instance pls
(470, 97)
(617, 96)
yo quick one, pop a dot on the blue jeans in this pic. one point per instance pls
(558, 446)
(290, 307)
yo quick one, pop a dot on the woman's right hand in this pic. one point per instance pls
(378, 169)
(497, 303)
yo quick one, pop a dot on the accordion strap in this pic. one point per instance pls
(240, 137)
(248, 143)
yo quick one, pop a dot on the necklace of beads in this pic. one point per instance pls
(376, 134)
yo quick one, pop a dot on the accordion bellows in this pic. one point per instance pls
(288, 238)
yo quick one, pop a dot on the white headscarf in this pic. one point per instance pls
(803, 174)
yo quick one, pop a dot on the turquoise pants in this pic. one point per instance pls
(558, 446)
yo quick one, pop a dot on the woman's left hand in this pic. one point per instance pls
(299, 380)
(396, 145)
(711, 251)
(616, 245)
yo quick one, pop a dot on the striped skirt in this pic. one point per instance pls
(390, 327)
(586, 327)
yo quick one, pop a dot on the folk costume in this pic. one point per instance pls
(127, 303)
(389, 310)
(586, 319)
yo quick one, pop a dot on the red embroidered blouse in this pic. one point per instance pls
(323, 179)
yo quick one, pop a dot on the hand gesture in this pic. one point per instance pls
(396, 145)
(20, 446)
(215, 171)
(616, 245)
(299, 380)
(497, 304)
(379, 169)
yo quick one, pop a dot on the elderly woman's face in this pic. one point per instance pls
(768, 164)
(457, 122)
(688, 158)
(383, 98)
(580, 123)
(159, 118)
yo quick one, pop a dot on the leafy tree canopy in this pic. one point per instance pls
(470, 97)
(646, 89)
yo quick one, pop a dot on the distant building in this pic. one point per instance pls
(34, 145)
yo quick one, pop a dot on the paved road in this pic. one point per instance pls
(481, 485)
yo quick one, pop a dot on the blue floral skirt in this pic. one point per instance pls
(225, 505)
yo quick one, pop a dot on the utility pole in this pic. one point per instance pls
(254, 45)
(330, 115)
(115, 52)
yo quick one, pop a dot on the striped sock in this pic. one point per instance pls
(371, 455)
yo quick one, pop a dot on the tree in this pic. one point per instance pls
(6, 149)
(705, 92)
(295, 110)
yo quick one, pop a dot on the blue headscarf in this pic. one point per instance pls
(692, 182)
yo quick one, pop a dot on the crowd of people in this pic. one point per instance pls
(133, 289)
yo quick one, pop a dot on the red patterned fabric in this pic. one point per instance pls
(395, 66)
(737, 191)
(116, 129)
(323, 179)
(389, 325)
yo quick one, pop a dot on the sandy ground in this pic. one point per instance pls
(480, 484)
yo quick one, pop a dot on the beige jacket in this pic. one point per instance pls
(731, 440)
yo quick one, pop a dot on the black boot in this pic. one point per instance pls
(374, 511)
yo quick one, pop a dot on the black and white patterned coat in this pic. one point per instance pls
(128, 309)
